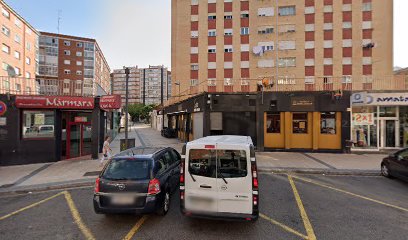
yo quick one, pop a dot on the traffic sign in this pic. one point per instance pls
(3, 108)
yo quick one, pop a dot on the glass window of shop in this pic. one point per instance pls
(403, 120)
(273, 123)
(299, 123)
(38, 124)
(328, 123)
(364, 127)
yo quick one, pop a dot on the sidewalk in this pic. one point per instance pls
(83, 172)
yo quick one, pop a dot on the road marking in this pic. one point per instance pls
(352, 194)
(286, 228)
(135, 228)
(77, 218)
(30, 206)
(303, 214)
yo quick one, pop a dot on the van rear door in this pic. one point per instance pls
(200, 180)
(234, 179)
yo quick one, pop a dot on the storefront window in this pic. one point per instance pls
(300, 123)
(403, 126)
(388, 111)
(38, 124)
(273, 123)
(328, 123)
(364, 127)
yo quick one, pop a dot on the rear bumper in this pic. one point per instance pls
(220, 215)
(150, 206)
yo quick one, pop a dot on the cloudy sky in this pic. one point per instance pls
(137, 32)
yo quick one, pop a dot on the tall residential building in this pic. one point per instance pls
(19, 50)
(231, 46)
(145, 84)
(72, 65)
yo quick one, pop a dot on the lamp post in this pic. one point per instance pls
(178, 84)
(127, 72)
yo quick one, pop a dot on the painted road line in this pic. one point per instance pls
(303, 214)
(135, 228)
(351, 194)
(281, 225)
(77, 218)
(30, 206)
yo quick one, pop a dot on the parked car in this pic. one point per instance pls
(138, 180)
(168, 133)
(219, 178)
(396, 165)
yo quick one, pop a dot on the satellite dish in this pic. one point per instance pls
(11, 71)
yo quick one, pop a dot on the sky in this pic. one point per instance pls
(138, 32)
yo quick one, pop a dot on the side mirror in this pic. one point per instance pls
(400, 158)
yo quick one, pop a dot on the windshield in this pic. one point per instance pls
(228, 163)
(127, 169)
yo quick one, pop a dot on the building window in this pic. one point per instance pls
(79, 54)
(244, 31)
(67, 52)
(265, 30)
(28, 90)
(287, 11)
(228, 17)
(18, 87)
(38, 124)
(5, 48)
(228, 50)
(299, 123)
(67, 43)
(367, 6)
(79, 44)
(213, 17)
(28, 75)
(28, 61)
(244, 15)
(28, 46)
(17, 22)
(5, 30)
(228, 32)
(17, 55)
(17, 38)
(78, 73)
(79, 63)
(5, 12)
(212, 33)
(273, 121)
(266, 12)
(67, 62)
(328, 123)
(287, 62)
(67, 71)
(211, 50)
(194, 67)
(287, 28)
(17, 70)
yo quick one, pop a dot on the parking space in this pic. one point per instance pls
(292, 207)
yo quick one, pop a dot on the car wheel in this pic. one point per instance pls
(165, 205)
(385, 171)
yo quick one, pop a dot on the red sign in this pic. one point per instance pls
(80, 119)
(110, 102)
(58, 102)
(3, 108)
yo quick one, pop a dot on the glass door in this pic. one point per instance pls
(86, 139)
(389, 134)
(74, 141)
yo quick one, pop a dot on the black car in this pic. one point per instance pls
(138, 180)
(396, 165)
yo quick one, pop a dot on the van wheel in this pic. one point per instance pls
(165, 205)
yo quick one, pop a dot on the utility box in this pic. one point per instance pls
(131, 144)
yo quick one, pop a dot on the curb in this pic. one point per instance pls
(46, 187)
(338, 172)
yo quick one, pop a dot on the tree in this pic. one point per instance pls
(139, 111)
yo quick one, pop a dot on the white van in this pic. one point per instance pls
(218, 178)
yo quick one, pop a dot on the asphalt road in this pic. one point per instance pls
(297, 207)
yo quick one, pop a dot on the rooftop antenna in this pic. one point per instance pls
(59, 20)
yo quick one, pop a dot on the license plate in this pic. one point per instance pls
(123, 200)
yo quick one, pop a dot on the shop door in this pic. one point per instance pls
(79, 139)
(389, 134)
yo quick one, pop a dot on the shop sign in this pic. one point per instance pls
(3, 108)
(3, 121)
(110, 102)
(363, 118)
(57, 102)
(299, 101)
(379, 99)
(80, 119)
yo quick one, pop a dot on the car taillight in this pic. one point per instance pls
(154, 187)
(254, 176)
(255, 183)
(182, 173)
(97, 183)
(255, 200)
(182, 195)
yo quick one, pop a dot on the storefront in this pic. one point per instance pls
(379, 120)
(53, 128)
(306, 121)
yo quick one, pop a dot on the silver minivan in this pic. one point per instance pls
(219, 179)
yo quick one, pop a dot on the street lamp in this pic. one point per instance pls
(127, 72)
(178, 84)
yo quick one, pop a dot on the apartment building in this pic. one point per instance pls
(146, 85)
(286, 45)
(19, 51)
(70, 65)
